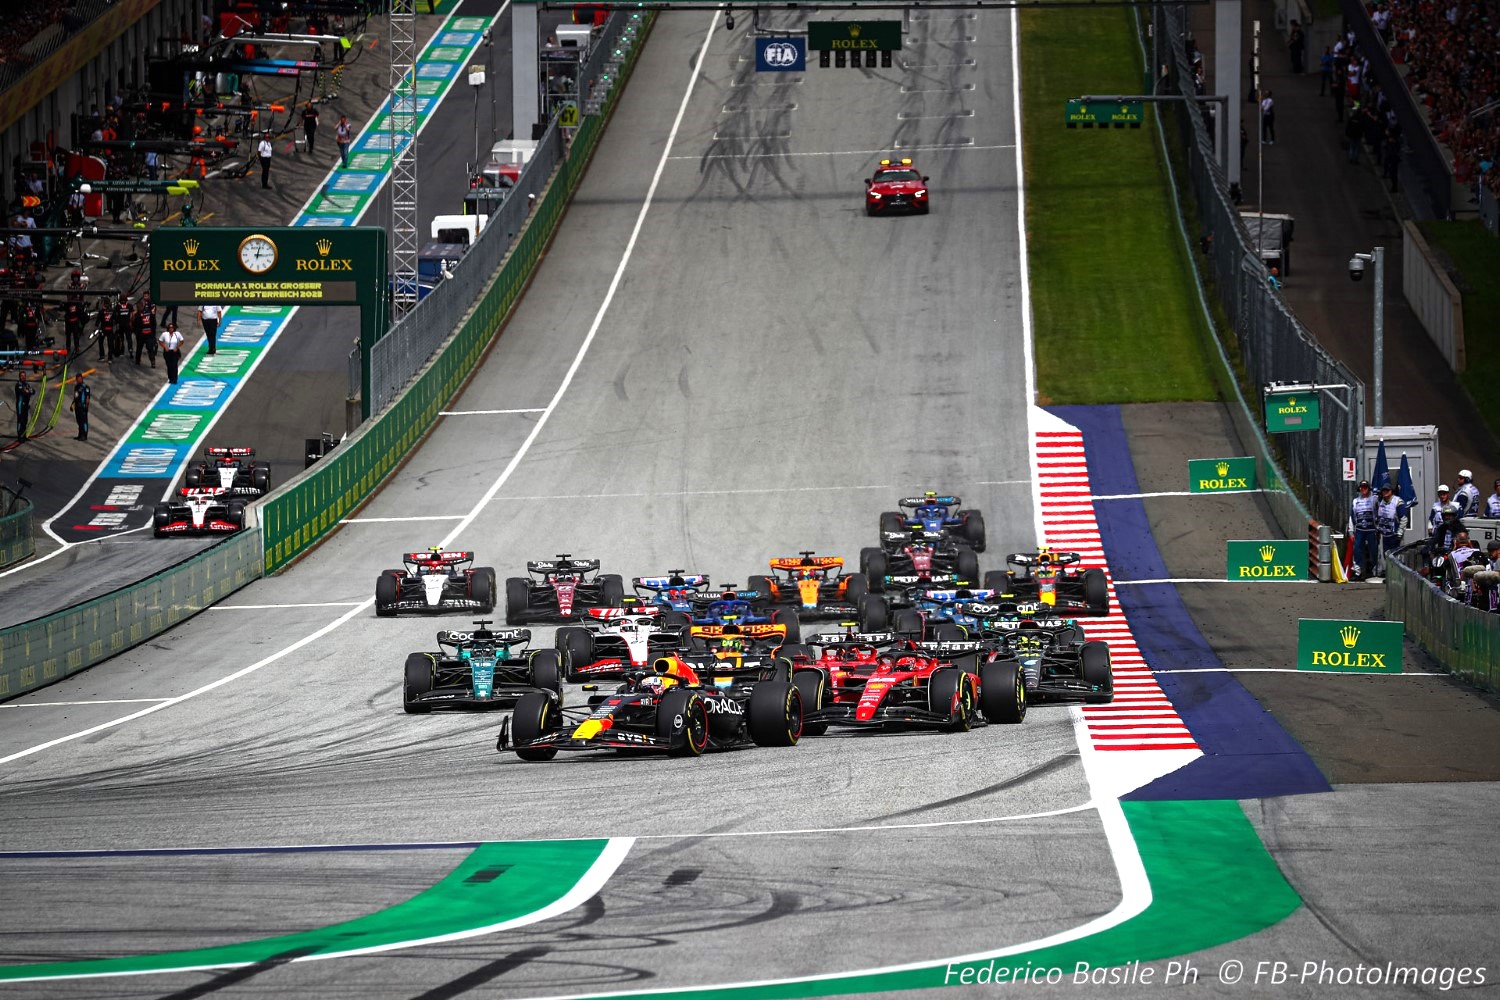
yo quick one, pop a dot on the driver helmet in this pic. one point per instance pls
(656, 683)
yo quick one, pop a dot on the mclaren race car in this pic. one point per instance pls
(613, 642)
(666, 710)
(936, 517)
(896, 187)
(692, 596)
(435, 580)
(234, 470)
(914, 553)
(1044, 576)
(480, 668)
(563, 591)
(198, 511)
(818, 588)
(1060, 662)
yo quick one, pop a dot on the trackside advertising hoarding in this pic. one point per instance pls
(1272, 559)
(1358, 646)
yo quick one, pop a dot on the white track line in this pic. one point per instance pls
(1294, 670)
(73, 704)
(873, 827)
(390, 520)
(825, 152)
(1172, 493)
(489, 494)
(689, 493)
(1203, 579)
(279, 607)
(484, 413)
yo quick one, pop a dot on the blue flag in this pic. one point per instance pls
(1381, 474)
(1404, 488)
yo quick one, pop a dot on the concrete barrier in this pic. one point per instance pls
(1433, 296)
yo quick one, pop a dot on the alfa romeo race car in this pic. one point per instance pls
(233, 470)
(1044, 576)
(435, 580)
(915, 553)
(818, 588)
(479, 668)
(1060, 662)
(198, 511)
(667, 710)
(691, 595)
(936, 517)
(896, 187)
(564, 590)
(612, 642)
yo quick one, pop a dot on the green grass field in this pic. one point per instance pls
(1476, 256)
(1117, 317)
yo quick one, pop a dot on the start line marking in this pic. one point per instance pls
(75, 704)
(280, 607)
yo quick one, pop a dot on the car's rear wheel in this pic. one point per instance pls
(973, 528)
(874, 613)
(482, 588)
(792, 621)
(677, 620)
(1002, 691)
(907, 621)
(195, 477)
(260, 479)
(968, 565)
(419, 668)
(517, 599)
(236, 515)
(997, 580)
(160, 518)
(547, 671)
(1096, 590)
(577, 647)
(856, 586)
(762, 587)
(535, 716)
(790, 651)
(1093, 662)
(387, 592)
(813, 686)
(892, 520)
(874, 564)
(948, 632)
(612, 587)
(775, 714)
(682, 719)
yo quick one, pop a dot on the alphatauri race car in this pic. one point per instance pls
(198, 511)
(479, 668)
(234, 470)
(563, 591)
(435, 580)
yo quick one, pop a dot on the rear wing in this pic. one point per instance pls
(915, 580)
(928, 501)
(563, 564)
(1048, 625)
(650, 611)
(952, 647)
(747, 631)
(835, 639)
(228, 452)
(807, 562)
(676, 578)
(445, 558)
(964, 594)
(1031, 558)
(201, 491)
(506, 637)
(986, 610)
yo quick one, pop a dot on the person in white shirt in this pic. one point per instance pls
(171, 349)
(1492, 502)
(1467, 496)
(209, 316)
(264, 149)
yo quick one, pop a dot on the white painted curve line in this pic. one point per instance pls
(66, 545)
(873, 827)
(584, 889)
(489, 494)
(1172, 493)
(667, 494)
(77, 704)
(485, 413)
(1294, 670)
(394, 520)
(1201, 579)
(281, 607)
(1023, 268)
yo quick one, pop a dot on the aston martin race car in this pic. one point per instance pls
(946, 603)
(1059, 661)
(1044, 576)
(435, 580)
(233, 470)
(915, 552)
(612, 642)
(198, 511)
(818, 588)
(896, 187)
(692, 596)
(563, 591)
(666, 710)
(479, 668)
(936, 517)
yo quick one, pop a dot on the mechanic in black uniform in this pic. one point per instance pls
(73, 319)
(24, 392)
(144, 325)
(1362, 514)
(29, 326)
(124, 324)
(82, 396)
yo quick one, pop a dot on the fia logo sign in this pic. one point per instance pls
(780, 55)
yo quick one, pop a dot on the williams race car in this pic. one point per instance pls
(233, 470)
(564, 590)
(916, 552)
(936, 517)
(613, 642)
(668, 710)
(896, 187)
(198, 511)
(480, 668)
(818, 588)
(692, 596)
(1044, 576)
(435, 580)
(1059, 661)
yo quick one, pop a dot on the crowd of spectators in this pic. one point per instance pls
(22, 23)
(1451, 51)
(1452, 562)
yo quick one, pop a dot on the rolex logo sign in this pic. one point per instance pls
(186, 262)
(1267, 553)
(1358, 647)
(1263, 561)
(191, 248)
(325, 260)
(1222, 468)
(1221, 475)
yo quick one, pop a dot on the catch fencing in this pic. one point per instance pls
(1463, 640)
(16, 542)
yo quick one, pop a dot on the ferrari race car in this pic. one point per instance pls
(880, 679)
(612, 642)
(563, 591)
(667, 710)
(198, 511)
(912, 553)
(479, 669)
(1043, 576)
(896, 187)
(233, 470)
(936, 517)
(435, 580)
(1060, 663)
(692, 596)
(818, 588)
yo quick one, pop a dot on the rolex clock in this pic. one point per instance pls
(257, 254)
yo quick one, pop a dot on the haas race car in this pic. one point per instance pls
(1060, 663)
(198, 511)
(435, 580)
(563, 591)
(233, 470)
(481, 669)
(612, 642)
(691, 595)
(936, 518)
(1043, 576)
(668, 709)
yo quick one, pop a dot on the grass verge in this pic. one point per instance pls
(1475, 257)
(1117, 320)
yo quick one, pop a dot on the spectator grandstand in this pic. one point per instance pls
(24, 26)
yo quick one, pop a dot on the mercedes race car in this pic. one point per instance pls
(563, 591)
(937, 518)
(667, 710)
(1044, 576)
(198, 511)
(896, 187)
(691, 595)
(233, 470)
(613, 642)
(480, 668)
(435, 580)
(1059, 661)
(912, 553)
(818, 588)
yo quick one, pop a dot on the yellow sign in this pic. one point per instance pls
(567, 115)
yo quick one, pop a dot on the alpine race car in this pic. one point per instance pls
(896, 187)
(435, 580)
(937, 517)
(1044, 576)
(667, 710)
(612, 642)
(916, 552)
(563, 591)
(480, 668)
(233, 470)
(690, 595)
(198, 511)
(818, 588)
(1060, 662)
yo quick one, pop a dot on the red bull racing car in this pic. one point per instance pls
(198, 511)
(1044, 576)
(435, 580)
(563, 591)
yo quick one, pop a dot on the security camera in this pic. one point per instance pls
(1356, 268)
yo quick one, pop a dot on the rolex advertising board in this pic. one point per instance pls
(1275, 559)
(1220, 475)
(281, 265)
(1361, 647)
(1292, 411)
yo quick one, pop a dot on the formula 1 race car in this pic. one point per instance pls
(936, 517)
(435, 580)
(734, 648)
(198, 511)
(612, 642)
(667, 710)
(896, 187)
(935, 606)
(1043, 576)
(818, 588)
(563, 591)
(1059, 661)
(479, 668)
(232, 470)
(690, 595)
(913, 553)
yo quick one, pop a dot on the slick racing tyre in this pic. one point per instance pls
(789, 618)
(950, 692)
(907, 622)
(260, 479)
(997, 580)
(813, 686)
(874, 565)
(195, 476)
(968, 565)
(576, 644)
(517, 599)
(236, 515)
(1093, 661)
(856, 586)
(682, 719)
(775, 714)
(790, 651)
(680, 620)
(948, 632)
(418, 683)
(1002, 691)
(535, 716)
(482, 588)
(160, 518)
(612, 588)
(892, 520)
(1096, 590)
(387, 592)
(547, 671)
(973, 528)
(762, 587)
(874, 613)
